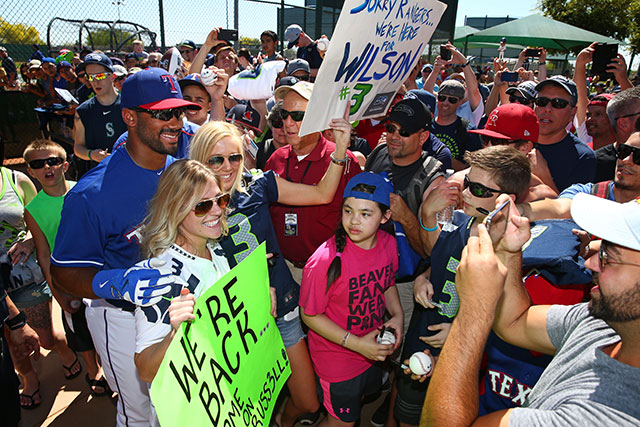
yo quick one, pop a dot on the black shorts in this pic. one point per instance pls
(410, 399)
(78, 335)
(343, 399)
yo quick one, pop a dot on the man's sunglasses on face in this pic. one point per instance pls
(164, 115)
(393, 129)
(97, 77)
(479, 190)
(558, 103)
(451, 99)
(623, 151)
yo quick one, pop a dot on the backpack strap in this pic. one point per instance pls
(424, 176)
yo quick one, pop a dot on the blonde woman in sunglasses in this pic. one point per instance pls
(180, 233)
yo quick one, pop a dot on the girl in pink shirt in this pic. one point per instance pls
(347, 286)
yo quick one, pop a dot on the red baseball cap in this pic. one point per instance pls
(511, 121)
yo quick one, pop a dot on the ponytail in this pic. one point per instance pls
(335, 268)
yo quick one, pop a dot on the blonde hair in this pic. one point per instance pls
(208, 136)
(41, 145)
(179, 190)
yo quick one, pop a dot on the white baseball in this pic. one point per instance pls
(387, 338)
(420, 363)
(208, 77)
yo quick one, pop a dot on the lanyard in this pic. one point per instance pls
(286, 172)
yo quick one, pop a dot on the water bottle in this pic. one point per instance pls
(445, 216)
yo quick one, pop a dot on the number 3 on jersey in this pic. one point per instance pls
(240, 231)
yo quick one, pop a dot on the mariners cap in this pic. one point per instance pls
(617, 223)
(292, 34)
(153, 89)
(244, 115)
(527, 89)
(302, 88)
(567, 84)
(411, 114)
(381, 188)
(100, 59)
(511, 121)
(298, 65)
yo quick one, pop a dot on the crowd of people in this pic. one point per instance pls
(491, 225)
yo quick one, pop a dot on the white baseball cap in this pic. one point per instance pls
(618, 223)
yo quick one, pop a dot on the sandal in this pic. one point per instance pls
(71, 375)
(32, 404)
(98, 383)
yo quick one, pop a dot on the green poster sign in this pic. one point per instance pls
(228, 366)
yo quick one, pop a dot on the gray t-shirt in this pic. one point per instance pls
(582, 386)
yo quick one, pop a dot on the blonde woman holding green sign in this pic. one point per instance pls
(180, 233)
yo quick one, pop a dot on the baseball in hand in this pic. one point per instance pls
(420, 363)
(387, 338)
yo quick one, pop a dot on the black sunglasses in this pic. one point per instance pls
(559, 103)
(452, 99)
(51, 161)
(296, 116)
(203, 207)
(479, 190)
(392, 129)
(277, 123)
(623, 151)
(217, 161)
(489, 140)
(519, 100)
(164, 115)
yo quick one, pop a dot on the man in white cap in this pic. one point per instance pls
(593, 377)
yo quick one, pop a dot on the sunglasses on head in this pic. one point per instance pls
(97, 77)
(623, 151)
(202, 208)
(393, 128)
(451, 99)
(559, 103)
(164, 115)
(296, 116)
(51, 161)
(217, 161)
(520, 100)
(479, 190)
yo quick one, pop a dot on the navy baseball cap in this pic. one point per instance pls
(567, 84)
(187, 43)
(427, 98)
(244, 115)
(153, 89)
(381, 188)
(100, 59)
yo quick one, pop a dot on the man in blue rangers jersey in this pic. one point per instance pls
(97, 242)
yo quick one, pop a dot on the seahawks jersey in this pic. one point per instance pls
(152, 322)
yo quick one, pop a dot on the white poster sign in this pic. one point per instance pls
(374, 47)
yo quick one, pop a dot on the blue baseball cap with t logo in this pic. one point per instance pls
(153, 89)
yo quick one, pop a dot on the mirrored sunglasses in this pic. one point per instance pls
(203, 207)
(97, 77)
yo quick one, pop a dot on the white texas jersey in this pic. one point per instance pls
(152, 322)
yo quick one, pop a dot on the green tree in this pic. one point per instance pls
(250, 43)
(102, 37)
(18, 33)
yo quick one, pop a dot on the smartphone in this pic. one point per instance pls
(228, 35)
(509, 76)
(533, 53)
(496, 221)
(445, 53)
(602, 55)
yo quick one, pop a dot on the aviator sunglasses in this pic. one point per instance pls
(623, 151)
(479, 190)
(164, 115)
(452, 99)
(203, 207)
(51, 161)
(217, 161)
